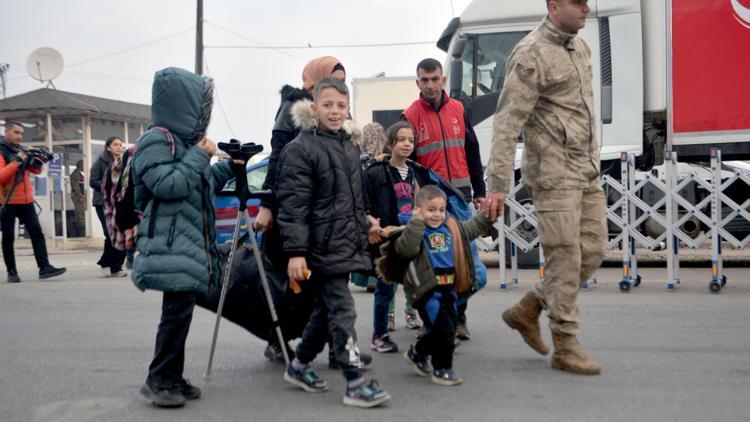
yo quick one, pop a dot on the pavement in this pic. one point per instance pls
(77, 348)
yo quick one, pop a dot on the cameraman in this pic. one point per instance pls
(17, 197)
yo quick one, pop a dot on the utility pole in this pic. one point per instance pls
(3, 70)
(199, 39)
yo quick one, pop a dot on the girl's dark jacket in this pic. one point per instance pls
(96, 173)
(380, 199)
(320, 197)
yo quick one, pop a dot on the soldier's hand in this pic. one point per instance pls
(478, 202)
(494, 204)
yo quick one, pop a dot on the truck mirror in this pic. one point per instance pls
(456, 74)
(458, 49)
(457, 67)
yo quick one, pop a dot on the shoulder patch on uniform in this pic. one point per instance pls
(523, 71)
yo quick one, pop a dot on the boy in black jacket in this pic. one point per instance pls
(324, 231)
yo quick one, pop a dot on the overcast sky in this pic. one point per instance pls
(88, 33)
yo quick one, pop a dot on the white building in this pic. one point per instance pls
(382, 99)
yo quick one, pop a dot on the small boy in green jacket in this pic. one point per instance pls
(432, 258)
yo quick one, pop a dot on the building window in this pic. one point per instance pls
(134, 132)
(67, 129)
(102, 129)
(34, 129)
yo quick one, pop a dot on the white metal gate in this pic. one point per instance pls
(629, 211)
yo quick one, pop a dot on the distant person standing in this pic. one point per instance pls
(78, 196)
(17, 195)
(446, 144)
(112, 259)
(548, 95)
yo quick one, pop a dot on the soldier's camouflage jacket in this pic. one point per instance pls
(548, 95)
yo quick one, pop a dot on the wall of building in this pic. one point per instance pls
(387, 93)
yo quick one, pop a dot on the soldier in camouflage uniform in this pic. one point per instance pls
(548, 96)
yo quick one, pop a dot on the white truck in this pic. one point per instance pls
(667, 74)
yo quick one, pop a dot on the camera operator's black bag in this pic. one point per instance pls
(245, 303)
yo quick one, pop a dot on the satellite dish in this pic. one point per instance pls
(44, 64)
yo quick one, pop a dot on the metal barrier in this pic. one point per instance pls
(628, 211)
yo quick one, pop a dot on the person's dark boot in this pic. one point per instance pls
(13, 277)
(164, 397)
(49, 271)
(524, 317)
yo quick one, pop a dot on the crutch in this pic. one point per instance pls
(243, 152)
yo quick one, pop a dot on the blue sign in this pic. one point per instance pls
(54, 169)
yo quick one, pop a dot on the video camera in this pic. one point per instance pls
(35, 157)
(239, 151)
(243, 152)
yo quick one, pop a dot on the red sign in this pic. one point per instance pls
(710, 65)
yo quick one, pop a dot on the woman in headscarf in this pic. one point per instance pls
(284, 129)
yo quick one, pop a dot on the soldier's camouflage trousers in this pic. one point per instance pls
(573, 233)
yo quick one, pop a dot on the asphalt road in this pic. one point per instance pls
(77, 348)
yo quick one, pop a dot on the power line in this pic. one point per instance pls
(266, 46)
(115, 53)
(145, 81)
(218, 101)
(309, 46)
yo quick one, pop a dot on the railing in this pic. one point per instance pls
(672, 208)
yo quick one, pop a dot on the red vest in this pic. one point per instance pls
(440, 138)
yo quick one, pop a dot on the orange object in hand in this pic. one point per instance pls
(295, 285)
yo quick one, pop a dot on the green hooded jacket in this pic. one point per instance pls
(176, 238)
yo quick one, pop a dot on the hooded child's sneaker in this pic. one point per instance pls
(189, 391)
(163, 397)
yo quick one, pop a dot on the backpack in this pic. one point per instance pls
(118, 190)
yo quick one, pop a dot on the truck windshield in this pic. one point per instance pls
(484, 60)
(480, 61)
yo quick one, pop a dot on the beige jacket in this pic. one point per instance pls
(548, 96)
